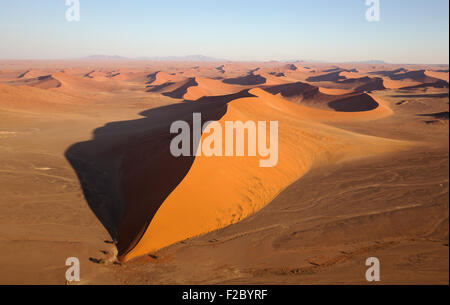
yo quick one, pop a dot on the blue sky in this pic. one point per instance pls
(414, 31)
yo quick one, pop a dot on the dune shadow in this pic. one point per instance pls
(329, 77)
(439, 115)
(126, 170)
(249, 80)
(355, 103)
(293, 89)
(157, 88)
(181, 91)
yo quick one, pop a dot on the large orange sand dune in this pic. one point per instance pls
(239, 185)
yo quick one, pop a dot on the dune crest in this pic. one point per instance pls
(29, 98)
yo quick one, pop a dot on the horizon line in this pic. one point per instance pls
(208, 59)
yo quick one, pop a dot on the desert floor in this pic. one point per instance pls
(85, 172)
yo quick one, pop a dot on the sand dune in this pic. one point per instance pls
(181, 89)
(79, 85)
(358, 103)
(43, 82)
(160, 78)
(389, 73)
(437, 84)
(350, 74)
(242, 192)
(209, 87)
(26, 98)
(417, 75)
(176, 90)
(343, 100)
(396, 84)
(436, 74)
(363, 84)
(298, 92)
(403, 78)
(98, 75)
(328, 77)
(348, 80)
(31, 74)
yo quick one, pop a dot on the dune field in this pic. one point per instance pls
(86, 171)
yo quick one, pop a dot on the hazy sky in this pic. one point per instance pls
(413, 31)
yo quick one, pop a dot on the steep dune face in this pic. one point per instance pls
(358, 103)
(149, 172)
(160, 78)
(181, 89)
(218, 191)
(349, 80)
(192, 89)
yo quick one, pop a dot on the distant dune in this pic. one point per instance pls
(329, 77)
(248, 80)
(438, 74)
(43, 82)
(358, 103)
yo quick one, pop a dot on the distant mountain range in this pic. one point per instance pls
(183, 58)
(313, 61)
(202, 58)
(104, 57)
(370, 62)
(198, 58)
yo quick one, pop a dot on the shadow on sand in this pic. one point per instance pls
(127, 171)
